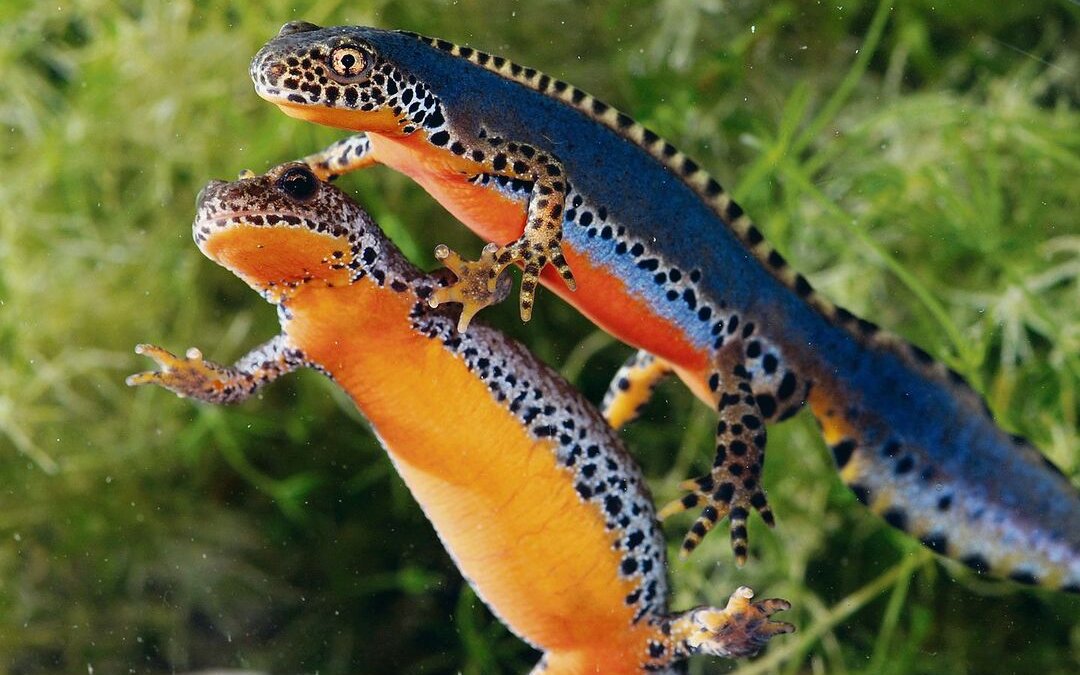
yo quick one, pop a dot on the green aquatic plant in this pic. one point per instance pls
(921, 165)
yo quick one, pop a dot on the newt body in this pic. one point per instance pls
(666, 261)
(529, 489)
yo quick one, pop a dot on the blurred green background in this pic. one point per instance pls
(920, 165)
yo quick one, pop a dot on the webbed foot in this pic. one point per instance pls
(479, 283)
(741, 629)
(187, 377)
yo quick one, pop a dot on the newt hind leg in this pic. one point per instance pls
(733, 488)
(632, 387)
(753, 385)
(739, 630)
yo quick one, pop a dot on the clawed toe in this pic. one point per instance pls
(190, 375)
(740, 629)
(719, 498)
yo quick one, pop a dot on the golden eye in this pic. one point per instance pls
(349, 64)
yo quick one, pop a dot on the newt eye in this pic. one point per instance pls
(349, 64)
(298, 183)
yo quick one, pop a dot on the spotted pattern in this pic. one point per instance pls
(257, 201)
(304, 77)
(590, 452)
(632, 387)
(783, 390)
(947, 513)
(602, 473)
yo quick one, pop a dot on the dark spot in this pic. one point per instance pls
(842, 452)
(896, 517)
(440, 138)
(724, 493)
(862, 493)
(1024, 577)
(612, 504)
(921, 355)
(802, 286)
(766, 405)
(906, 463)
(770, 363)
(787, 386)
(936, 542)
(977, 563)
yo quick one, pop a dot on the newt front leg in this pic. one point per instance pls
(348, 154)
(539, 244)
(194, 377)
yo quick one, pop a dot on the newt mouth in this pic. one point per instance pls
(206, 224)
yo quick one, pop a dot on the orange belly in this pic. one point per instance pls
(506, 511)
(600, 296)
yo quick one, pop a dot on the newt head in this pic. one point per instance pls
(335, 76)
(285, 229)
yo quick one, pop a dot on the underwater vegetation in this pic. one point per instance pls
(921, 166)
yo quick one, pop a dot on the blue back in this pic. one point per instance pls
(903, 401)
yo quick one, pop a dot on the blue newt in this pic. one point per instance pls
(666, 261)
(531, 492)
